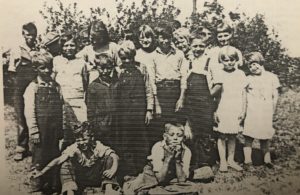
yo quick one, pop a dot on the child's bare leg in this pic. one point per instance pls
(231, 152)
(222, 154)
(248, 150)
(265, 147)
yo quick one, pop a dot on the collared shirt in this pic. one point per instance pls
(99, 152)
(29, 102)
(201, 65)
(157, 157)
(171, 66)
(22, 51)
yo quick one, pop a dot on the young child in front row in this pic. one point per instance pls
(262, 96)
(93, 163)
(232, 106)
(169, 160)
(43, 112)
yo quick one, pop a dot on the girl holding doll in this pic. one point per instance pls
(232, 106)
(262, 96)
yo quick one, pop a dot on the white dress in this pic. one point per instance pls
(231, 103)
(259, 119)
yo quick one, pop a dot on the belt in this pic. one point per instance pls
(168, 83)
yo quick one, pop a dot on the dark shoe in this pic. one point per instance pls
(248, 167)
(269, 165)
(19, 156)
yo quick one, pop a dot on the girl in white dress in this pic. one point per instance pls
(231, 109)
(262, 96)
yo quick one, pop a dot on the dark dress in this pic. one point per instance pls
(48, 109)
(101, 108)
(199, 110)
(130, 138)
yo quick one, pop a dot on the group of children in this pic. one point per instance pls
(177, 92)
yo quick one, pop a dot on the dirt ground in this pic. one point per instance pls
(285, 179)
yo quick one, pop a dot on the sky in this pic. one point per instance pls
(282, 15)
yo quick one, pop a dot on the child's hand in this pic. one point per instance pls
(109, 173)
(36, 138)
(216, 118)
(178, 152)
(35, 174)
(148, 117)
(179, 105)
(169, 152)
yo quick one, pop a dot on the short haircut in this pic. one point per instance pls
(80, 129)
(147, 31)
(128, 48)
(29, 27)
(98, 26)
(255, 57)
(164, 31)
(67, 36)
(184, 32)
(224, 27)
(169, 125)
(41, 58)
(229, 51)
(103, 59)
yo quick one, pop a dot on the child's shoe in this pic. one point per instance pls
(269, 165)
(248, 167)
(235, 166)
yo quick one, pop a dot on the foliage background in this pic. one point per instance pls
(251, 34)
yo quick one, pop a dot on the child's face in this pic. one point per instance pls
(229, 63)
(84, 142)
(174, 136)
(45, 71)
(97, 38)
(164, 43)
(29, 36)
(69, 49)
(105, 70)
(206, 35)
(255, 68)
(197, 47)
(125, 58)
(224, 38)
(145, 41)
(181, 43)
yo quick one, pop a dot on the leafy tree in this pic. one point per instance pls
(250, 34)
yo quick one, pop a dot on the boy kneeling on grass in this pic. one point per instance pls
(93, 163)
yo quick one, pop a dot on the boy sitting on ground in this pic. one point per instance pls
(93, 163)
(169, 163)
